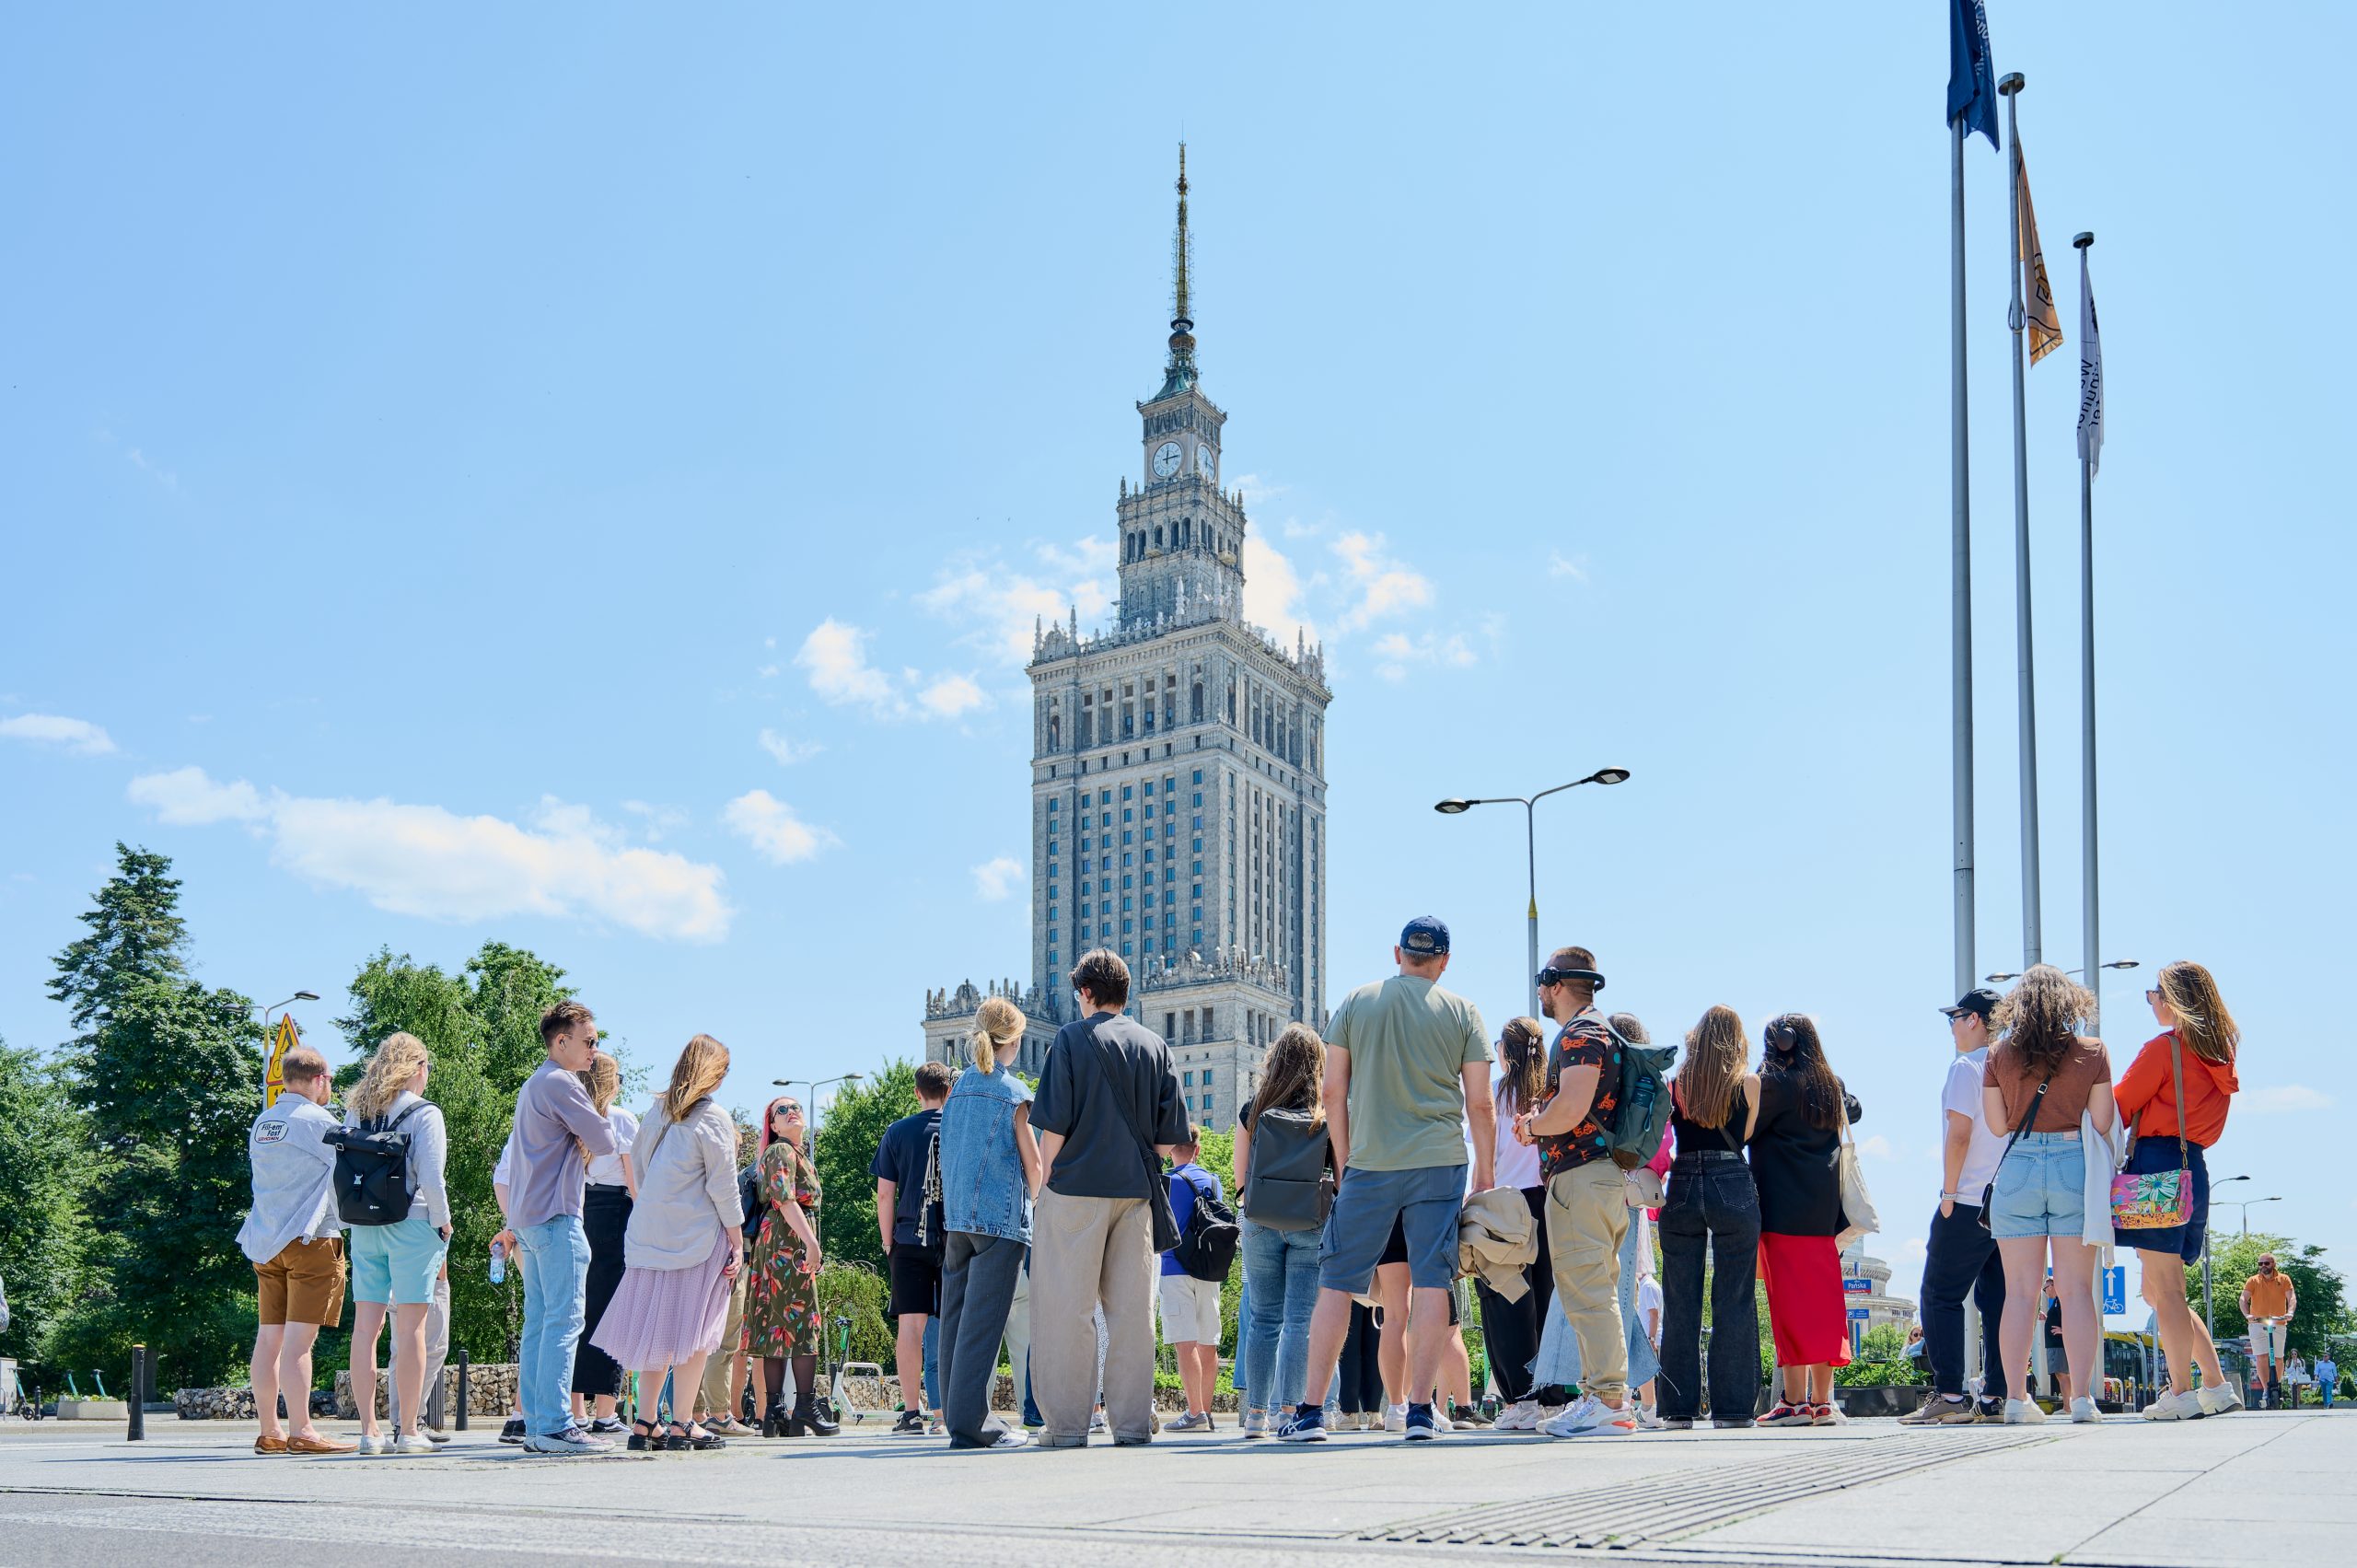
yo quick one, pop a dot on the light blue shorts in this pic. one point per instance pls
(396, 1264)
(2041, 1188)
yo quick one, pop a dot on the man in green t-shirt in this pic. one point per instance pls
(1406, 1062)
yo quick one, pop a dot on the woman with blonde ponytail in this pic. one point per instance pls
(394, 1266)
(989, 1172)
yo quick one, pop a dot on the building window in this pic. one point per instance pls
(1125, 792)
(1187, 1078)
(1199, 844)
(1129, 814)
(1198, 799)
(1198, 778)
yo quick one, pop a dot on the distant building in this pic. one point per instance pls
(1880, 1305)
(1177, 777)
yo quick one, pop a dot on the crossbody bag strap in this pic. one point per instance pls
(2027, 1116)
(2177, 1084)
(1120, 1102)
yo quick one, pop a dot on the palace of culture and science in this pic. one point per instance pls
(1177, 779)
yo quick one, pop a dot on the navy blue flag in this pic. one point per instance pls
(1972, 83)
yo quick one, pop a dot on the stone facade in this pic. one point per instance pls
(1177, 779)
(1880, 1305)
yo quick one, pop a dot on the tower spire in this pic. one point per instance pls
(1182, 258)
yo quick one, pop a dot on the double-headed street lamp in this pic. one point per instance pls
(2245, 1206)
(266, 1011)
(1999, 979)
(2209, 1311)
(1452, 807)
(810, 1111)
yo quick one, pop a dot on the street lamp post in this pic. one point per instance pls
(266, 1011)
(810, 1111)
(2209, 1311)
(2245, 1206)
(1529, 804)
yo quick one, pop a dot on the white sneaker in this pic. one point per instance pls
(2023, 1412)
(2174, 1407)
(1589, 1416)
(411, 1443)
(2219, 1398)
(1647, 1421)
(2083, 1412)
(1544, 1414)
(1395, 1418)
(1441, 1421)
(1011, 1437)
(372, 1444)
(1256, 1423)
(1520, 1416)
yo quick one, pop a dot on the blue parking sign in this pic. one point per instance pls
(2115, 1288)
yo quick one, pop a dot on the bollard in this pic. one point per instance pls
(138, 1433)
(461, 1423)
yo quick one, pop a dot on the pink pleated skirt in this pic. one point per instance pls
(661, 1317)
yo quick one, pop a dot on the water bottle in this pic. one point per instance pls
(498, 1264)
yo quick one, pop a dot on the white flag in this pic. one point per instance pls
(2090, 374)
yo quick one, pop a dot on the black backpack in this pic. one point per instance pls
(1207, 1247)
(1288, 1187)
(372, 1170)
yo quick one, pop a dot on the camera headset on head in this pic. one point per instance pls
(1551, 975)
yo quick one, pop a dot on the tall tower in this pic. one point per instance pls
(1177, 774)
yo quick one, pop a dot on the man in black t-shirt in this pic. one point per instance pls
(1108, 1114)
(914, 1262)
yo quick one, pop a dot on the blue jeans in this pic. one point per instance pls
(2040, 1189)
(932, 1355)
(1642, 1361)
(556, 1277)
(1281, 1285)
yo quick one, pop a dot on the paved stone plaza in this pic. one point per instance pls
(2252, 1488)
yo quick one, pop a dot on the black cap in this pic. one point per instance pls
(1983, 1001)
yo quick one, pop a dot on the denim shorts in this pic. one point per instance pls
(2041, 1188)
(1424, 1202)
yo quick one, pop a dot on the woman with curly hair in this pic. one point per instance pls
(2042, 1075)
(782, 1316)
(2174, 1095)
(1794, 1142)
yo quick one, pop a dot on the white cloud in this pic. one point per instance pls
(788, 753)
(835, 656)
(997, 877)
(951, 695)
(995, 608)
(425, 861)
(1255, 490)
(1877, 1148)
(2283, 1097)
(1571, 566)
(188, 797)
(659, 820)
(1272, 592)
(769, 825)
(79, 736)
(1395, 651)
(1383, 585)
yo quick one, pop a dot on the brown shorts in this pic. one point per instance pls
(304, 1284)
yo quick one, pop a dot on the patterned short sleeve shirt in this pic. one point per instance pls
(1585, 1041)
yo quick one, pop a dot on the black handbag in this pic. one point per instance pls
(1988, 1193)
(1158, 1189)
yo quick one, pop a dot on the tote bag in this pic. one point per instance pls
(1858, 1216)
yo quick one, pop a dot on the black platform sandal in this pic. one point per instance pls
(649, 1441)
(692, 1436)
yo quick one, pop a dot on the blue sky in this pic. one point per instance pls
(592, 485)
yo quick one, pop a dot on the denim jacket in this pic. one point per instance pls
(982, 1190)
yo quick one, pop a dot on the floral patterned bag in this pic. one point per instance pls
(2158, 1199)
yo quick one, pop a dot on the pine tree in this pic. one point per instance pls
(136, 934)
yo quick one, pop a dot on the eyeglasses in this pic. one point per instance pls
(2152, 993)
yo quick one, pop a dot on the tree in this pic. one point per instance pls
(482, 1031)
(844, 1152)
(2322, 1308)
(41, 1226)
(168, 1082)
(136, 934)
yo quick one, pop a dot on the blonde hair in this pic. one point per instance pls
(603, 1079)
(2202, 1021)
(398, 1057)
(997, 1026)
(704, 1062)
(2040, 1018)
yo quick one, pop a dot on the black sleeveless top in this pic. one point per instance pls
(1695, 1138)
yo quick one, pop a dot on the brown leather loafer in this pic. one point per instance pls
(319, 1446)
(269, 1444)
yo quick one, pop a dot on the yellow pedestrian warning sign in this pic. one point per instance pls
(274, 1082)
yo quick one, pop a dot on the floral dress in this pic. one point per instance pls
(782, 1314)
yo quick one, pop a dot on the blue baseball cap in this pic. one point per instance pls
(1426, 936)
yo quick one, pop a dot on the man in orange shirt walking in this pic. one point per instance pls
(2268, 1302)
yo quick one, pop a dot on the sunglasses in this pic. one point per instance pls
(788, 1110)
(2152, 993)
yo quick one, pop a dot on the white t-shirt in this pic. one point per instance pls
(1649, 1306)
(1962, 1095)
(1517, 1163)
(606, 1170)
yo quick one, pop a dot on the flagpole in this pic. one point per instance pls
(2093, 952)
(1961, 574)
(2033, 942)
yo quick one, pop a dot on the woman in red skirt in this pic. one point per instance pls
(1794, 1149)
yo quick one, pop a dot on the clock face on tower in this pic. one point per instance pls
(1166, 459)
(1206, 463)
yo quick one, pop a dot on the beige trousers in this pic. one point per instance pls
(714, 1398)
(1085, 1252)
(1587, 1216)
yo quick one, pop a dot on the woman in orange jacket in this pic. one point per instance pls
(2197, 1045)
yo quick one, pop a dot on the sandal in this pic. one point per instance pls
(650, 1440)
(690, 1435)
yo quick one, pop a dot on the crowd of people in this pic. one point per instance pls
(1377, 1169)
